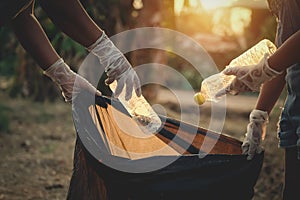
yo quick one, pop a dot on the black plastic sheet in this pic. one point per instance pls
(224, 173)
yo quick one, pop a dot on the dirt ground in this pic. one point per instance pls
(37, 151)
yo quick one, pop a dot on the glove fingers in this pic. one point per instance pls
(250, 157)
(252, 151)
(222, 92)
(129, 88)
(82, 83)
(69, 82)
(259, 149)
(137, 86)
(252, 141)
(119, 88)
(112, 75)
(231, 71)
(240, 86)
(109, 80)
(234, 88)
(245, 148)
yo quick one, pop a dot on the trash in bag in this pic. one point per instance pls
(115, 159)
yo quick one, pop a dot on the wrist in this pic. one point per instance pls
(259, 116)
(53, 67)
(98, 41)
(59, 71)
(271, 68)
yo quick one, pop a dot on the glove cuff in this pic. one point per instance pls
(59, 71)
(267, 69)
(109, 55)
(259, 116)
(98, 41)
(50, 70)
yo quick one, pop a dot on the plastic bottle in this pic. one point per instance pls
(211, 85)
(140, 110)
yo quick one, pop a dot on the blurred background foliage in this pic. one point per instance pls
(20, 75)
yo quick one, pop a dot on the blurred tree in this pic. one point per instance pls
(148, 14)
(8, 57)
(261, 19)
(113, 16)
(18, 66)
(168, 12)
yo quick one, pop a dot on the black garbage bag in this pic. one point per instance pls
(182, 171)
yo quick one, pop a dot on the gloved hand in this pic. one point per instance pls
(248, 78)
(68, 81)
(256, 131)
(116, 66)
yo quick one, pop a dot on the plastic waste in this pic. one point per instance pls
(212, 84)
(140, 110)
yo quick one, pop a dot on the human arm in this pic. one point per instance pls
(287, 54)
(250, 78)
(270, 93)
(73, 20)
(34, 40)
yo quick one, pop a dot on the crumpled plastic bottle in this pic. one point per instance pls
(140, 110)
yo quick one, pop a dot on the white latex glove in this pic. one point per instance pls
(256, 131)
(116, 66)
(68, 81)
(248, 78)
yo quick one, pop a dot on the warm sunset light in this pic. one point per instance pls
(206, 4)
(178, 5)
(231, 22)
(213, 4)
(226, 17)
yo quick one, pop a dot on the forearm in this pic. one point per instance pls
(287, 54)
(72, 19)
(270, 93)
(33, 38)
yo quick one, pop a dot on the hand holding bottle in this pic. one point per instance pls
(249, 78)
(249, 67)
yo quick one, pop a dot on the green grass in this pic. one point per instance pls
(4, 118)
